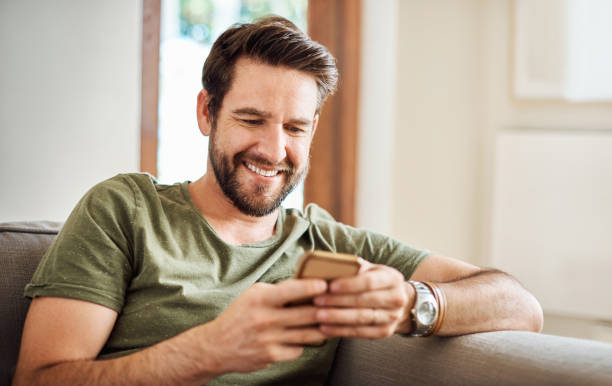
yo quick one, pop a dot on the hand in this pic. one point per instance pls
(373, 304)
(256, 330)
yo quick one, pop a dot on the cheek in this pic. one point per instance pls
(234, 144)
(299, 152)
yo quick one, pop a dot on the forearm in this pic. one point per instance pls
(378, 301)
(489, 300)
(179, 360)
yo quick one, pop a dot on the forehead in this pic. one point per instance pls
(276, 89)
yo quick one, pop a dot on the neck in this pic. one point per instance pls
(233, 226)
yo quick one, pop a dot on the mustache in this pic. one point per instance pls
(284, 166)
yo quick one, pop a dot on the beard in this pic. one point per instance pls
(253, 199)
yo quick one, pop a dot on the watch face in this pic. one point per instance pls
(426, 313)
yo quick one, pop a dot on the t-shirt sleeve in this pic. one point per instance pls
(374, 247)
(91, 258)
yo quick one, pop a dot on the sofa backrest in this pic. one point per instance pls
(22, 245)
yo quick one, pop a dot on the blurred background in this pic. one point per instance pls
(479, 129)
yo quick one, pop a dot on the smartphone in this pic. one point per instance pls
(326, 265)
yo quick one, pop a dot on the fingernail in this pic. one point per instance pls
(322, 286)
(334, 287)
(319, 300)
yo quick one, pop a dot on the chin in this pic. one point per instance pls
(255, 205)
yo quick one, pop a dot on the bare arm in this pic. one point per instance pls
(480, 300)
(62, 337)
(377, 302)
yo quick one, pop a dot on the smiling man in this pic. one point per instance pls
(192, 283)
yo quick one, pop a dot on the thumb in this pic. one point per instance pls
(365, 265)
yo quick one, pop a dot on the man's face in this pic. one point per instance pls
(259, 147)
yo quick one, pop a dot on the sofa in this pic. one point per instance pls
(494, 358)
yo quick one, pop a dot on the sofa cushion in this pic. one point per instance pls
(22, 245)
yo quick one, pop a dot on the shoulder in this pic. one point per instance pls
(122, 184)
(332, 235)
(122, 187)
(129, 182)
(117, 196)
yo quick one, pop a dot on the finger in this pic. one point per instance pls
(282, 353)
(302, 335)
(294, 290)
(295, 316)
(356, 317)
(388, 299)
(369, 332)
(379, 277)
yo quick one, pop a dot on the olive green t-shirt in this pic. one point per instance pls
(146, 251)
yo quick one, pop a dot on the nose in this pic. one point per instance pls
(272, 144)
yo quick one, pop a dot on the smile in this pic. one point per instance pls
(261, 172)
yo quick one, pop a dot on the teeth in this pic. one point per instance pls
(261, 172)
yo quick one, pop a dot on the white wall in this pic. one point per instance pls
(69, 101)
(476, 174)
(419, 123)
(437, 143)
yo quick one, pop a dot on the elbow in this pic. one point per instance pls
(527, 314)
(539, 325)
(535, 317)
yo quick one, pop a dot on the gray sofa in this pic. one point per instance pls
(499, 358)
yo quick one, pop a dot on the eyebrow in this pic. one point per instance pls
(265, 114)
(251, 111)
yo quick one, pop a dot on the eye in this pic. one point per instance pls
(251, 122)
(295, 130)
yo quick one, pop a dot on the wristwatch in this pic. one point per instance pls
(425, 311)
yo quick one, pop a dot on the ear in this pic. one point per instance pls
(315, 124)
(204, 118)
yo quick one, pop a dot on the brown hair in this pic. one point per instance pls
(273, 40)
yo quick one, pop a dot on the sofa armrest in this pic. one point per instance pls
(22, 244)
(493, 358)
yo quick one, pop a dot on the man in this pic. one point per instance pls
(191, 283)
